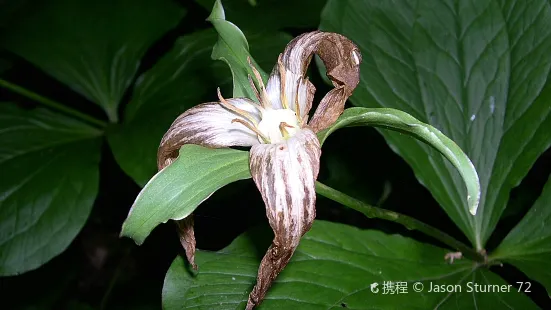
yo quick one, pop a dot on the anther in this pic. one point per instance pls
(265, 101)
(235, 109)
(253, 128)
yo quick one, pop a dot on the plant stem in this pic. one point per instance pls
(409, 222)
(51, 104)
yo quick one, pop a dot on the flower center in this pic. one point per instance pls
(278, 125)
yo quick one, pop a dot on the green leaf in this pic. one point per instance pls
(402, 122)
(232, 47)
(94, 47)
(528, 245)
(176, 191)
(49, 181)
(477, 71)
(334, 268)
(275, 14)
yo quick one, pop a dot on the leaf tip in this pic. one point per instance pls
(217, 11)
(473, 207)
(474, 201)
(136, 239)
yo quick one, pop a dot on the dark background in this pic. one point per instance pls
(102, 271)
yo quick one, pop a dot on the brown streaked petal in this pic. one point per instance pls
(341, 58)
(329, 109)
(187, 238)
(285, 173)
(294, 84)
(210, 125)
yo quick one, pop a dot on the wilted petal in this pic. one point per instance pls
(285, 174)
(341, 58)
(210, 125)
(294, 84)
(329, 109)
(187, 238)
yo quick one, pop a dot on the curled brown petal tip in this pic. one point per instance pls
(329, 109)
(342, 59)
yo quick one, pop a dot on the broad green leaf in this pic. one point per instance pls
(475, 70)
(275, 14)
(49, 181)
(402, 122)
(528, 245)
(335, 267)
(94, 47)
(177, 190)
(183, 78)
(232, 47)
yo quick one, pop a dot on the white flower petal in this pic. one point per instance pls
(210, 125)
(285, 173)
(294, 83)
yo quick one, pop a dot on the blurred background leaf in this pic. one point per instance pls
(176, 83)
(93, 47)
(50, 177)
(333, 267)
(496, 112)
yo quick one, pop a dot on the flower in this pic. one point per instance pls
(285, 151)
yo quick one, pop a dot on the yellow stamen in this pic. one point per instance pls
(251, 82)
(235, 109)
(263, 94)
(284, 131)
(281, 68)
(297, 106)
(253, 128)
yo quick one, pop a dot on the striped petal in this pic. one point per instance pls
(285, 173)
(210, 125)
(341, 58)
(298, 91)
